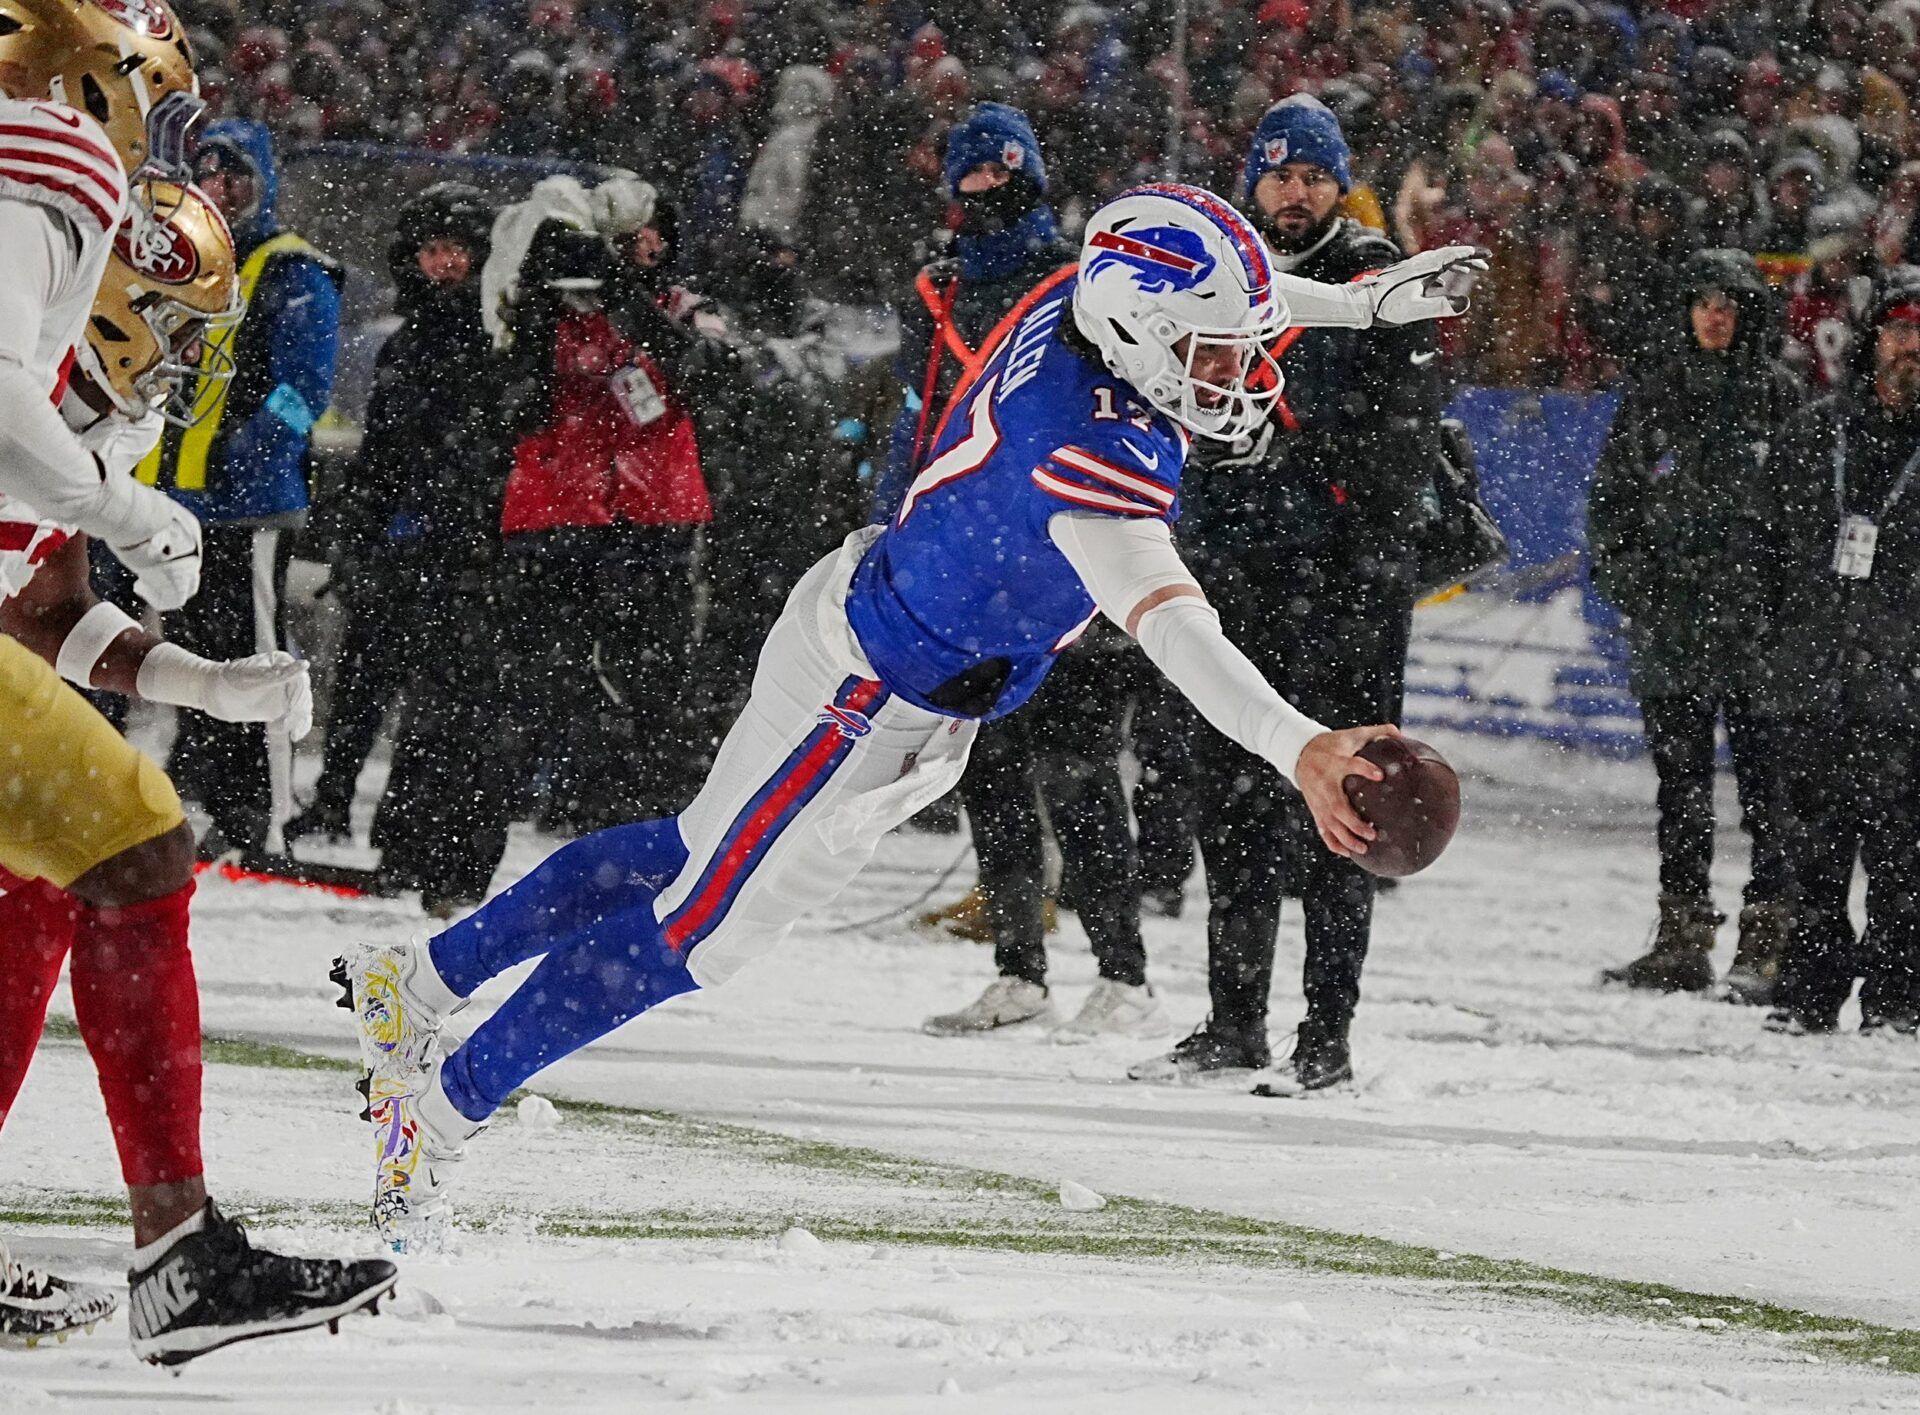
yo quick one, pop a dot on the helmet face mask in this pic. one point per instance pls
(126, 63)
(170, 291)
(1175, 290)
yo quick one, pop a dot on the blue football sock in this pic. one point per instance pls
(590, 983)
(581, 884)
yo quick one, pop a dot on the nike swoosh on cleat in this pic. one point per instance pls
(1421, 360)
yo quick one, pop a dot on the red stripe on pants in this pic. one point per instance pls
(695, 912)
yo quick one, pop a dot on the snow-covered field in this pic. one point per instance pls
(1414, 1244)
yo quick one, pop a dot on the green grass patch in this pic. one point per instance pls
(1010, 1213)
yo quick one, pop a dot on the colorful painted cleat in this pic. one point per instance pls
(419, 1138)
(399, 1004)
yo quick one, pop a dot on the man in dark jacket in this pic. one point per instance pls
(1847, 677)
(1302, 540)
(396, 521)
(1681, 526)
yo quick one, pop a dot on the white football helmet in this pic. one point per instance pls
(1168, 272)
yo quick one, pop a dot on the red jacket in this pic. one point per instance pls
(599, 462)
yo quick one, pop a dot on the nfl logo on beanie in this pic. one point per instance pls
(1298, 129)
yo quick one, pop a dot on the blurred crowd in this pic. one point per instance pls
(610, 433)
(1587, 145)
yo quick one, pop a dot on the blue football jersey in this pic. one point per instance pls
(965, 585)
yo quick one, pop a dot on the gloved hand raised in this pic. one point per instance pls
(1432, 285)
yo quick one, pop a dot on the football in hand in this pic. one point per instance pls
(1415, 809)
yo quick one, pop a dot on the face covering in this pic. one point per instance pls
(992, 211)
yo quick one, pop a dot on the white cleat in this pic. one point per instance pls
(1007, 1002)
(35, 1305)
(399, 1005)
(419, 1139)
(1114, 1009)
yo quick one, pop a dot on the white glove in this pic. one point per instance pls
(264, 687)
(1432, 285)
(122, 443)
(158, 539)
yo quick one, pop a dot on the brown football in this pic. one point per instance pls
(1416, 808)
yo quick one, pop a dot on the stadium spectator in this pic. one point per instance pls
(403, 524)
(1681, 528)
(1847, 650)
(244, 472)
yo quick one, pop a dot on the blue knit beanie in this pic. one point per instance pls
(1298, 129)
(993, 132)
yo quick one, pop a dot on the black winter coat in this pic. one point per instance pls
(1343, 463)
(1847, 646)
(1682, 521)
(423, 473)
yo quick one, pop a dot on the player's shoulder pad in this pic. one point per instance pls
(1129, 464)
(60, 157)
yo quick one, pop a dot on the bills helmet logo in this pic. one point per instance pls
(1276, 150)
(143, 17)
(157, 249)
(1163, 259)
(845, 721)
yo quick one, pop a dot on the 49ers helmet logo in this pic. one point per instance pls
(144, 17)
(159, 250)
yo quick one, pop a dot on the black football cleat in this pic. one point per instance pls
(213, 1288)
(1320, 1060)
(36, 1306)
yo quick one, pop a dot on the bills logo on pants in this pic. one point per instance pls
(820, 765)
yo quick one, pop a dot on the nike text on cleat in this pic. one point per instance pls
(213, 1288)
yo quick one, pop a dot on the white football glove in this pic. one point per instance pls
(152, 535)
(263, 687)
(122, 443)
(1432, 285)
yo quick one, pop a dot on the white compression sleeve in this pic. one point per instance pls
(1317, 305)
(1121, 563)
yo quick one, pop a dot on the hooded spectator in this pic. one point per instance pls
(1830, 299)
(529, 124)
(1725, 206)
(1681, 526)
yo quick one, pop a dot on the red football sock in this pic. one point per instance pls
(139, 1010)
(36, 929)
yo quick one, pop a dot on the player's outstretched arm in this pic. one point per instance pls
(1435, 284)
(1138, 580)
(96, 645)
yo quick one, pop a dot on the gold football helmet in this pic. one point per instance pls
(126, 62)
(158, 339)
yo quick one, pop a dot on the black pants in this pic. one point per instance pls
(1681, 739)
(223, 765)
(442, 824)
(1062, 748)
(1850, 784)
(599, 636)
(1165, 808)
(377, 653)
(1334, 641)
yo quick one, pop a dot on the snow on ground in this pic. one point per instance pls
(1506, 1107)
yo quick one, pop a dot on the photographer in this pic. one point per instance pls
(602, 502)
